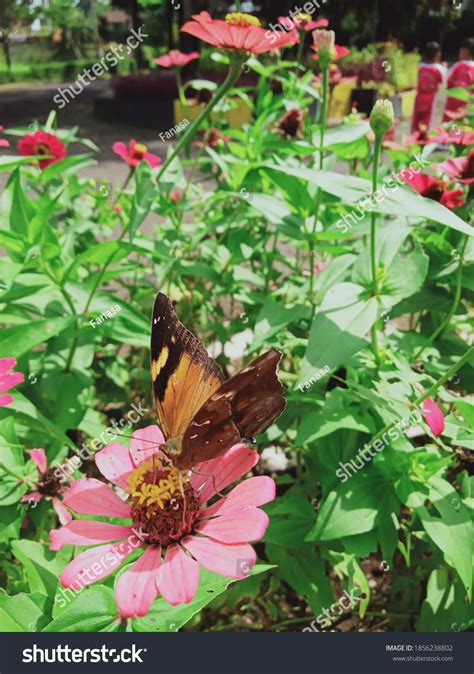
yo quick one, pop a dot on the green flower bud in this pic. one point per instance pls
(324, 43)
(382, 117)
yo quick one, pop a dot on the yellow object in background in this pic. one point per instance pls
(236, 117)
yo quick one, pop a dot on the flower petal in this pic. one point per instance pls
(7, 364)
(136, 589)
(252, 492)
(115, 464)
(433, 416)
(240, 526)
(89, 496)
(95, 564)
(178, 577)
(8, 381)
(87, 532)
(223, 471)
(6, 400)
(38, 456)
(33, 496)
(232, 561)
(145, 442)
(62, 512)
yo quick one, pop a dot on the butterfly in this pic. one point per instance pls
(201, 414)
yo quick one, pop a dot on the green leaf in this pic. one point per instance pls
(42, 566)
(11, 162)
(453, 531)
(444, 609)
(165, 618)
(21, 339)
(303, 569)
(291, 517)
(352, 508)
(93, 610)
(405, 276)
(145, 190)
(22, 612)
(272, 318)
(338, 329)
(23, 408)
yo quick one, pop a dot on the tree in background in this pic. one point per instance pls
(13, 14)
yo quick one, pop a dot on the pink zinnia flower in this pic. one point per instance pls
(135, 153)
(433, 416)
(433, 188)
(460, 170)
(8, 379)
(171, 521)
(3, 141)
(176, 59)
(40, 143)
(239, 32)
(49, 485)
(176, 196)
(453, 136)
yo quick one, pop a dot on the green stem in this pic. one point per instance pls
(182, 97)
(457, 297)
(430, 392)
(237, 5)
(232, 77)
(322, 132)
(373, 242)
(299, 56)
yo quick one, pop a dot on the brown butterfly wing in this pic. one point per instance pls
(244, 406)
(184, 376)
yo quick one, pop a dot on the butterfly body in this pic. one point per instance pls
(201, 414)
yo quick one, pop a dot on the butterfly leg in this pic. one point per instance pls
(181, 489)
(196, 472)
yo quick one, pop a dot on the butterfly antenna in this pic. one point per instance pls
(142, 449)
(196, 472)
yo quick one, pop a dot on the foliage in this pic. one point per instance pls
(245, 235)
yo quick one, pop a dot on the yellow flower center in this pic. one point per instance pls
(139, 147)
(154, 484)
(240, 19)
(302, 18)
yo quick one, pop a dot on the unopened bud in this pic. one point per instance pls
(325, 45)
(382, 117)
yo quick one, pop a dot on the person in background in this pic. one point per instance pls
(460, 75)
(430, 76)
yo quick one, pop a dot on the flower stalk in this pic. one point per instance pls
(232, 77)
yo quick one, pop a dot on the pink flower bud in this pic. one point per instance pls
(433, 416)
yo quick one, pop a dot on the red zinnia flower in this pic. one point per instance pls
(433, 188)
(176, 59)
(49, 485)
(302, 21)
(433, 416)
(241, 32)
(460, 170)
(135, 153)
(170, 520)
(8, 379)
(40, 143)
